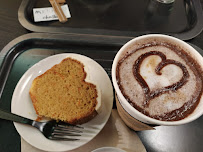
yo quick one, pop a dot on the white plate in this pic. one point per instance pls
(22, 105)
(108, 149)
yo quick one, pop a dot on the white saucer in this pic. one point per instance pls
(22, 105)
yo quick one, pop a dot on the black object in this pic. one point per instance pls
(131, 18)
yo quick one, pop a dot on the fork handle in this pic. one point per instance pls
(13, 117)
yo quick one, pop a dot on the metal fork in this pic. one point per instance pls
(51, 129)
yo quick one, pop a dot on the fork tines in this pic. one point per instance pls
(64, 131)
(61, 123)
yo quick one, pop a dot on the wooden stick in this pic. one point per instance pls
(58, 11)
(61, 1)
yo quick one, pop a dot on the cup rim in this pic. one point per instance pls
(126, 105)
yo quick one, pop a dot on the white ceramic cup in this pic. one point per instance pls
(132, 44)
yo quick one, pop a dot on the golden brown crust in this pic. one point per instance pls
(84, 119)
(62, 93)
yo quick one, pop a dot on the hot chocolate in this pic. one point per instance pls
(160, 79)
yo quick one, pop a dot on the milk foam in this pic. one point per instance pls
(170, 74)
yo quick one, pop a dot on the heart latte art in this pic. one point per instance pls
(160, 80)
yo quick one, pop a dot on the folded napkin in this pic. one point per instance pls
(114, 134)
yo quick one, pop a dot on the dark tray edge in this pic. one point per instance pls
(186, 35)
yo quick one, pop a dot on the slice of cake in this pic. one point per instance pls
(62, 93)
